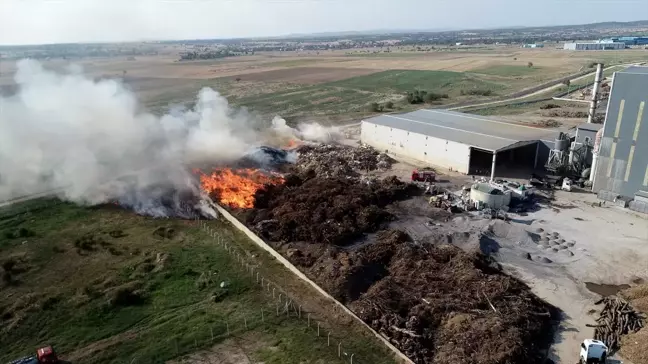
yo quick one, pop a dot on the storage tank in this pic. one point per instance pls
(490, 196)
(562, 142)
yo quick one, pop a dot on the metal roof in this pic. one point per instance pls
(589, 126)
(635, 69)
(477, 131)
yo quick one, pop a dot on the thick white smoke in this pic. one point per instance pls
(307, 131)
(93, 140)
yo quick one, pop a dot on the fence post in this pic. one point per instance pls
(273, 290)
(262, 318)
(309, 320)
(211, 329)
(279, 297)
(318, 329)
(261, 282)
(257, 276)
(339, 349)
(245, 322)
(299, 314)
(328, 339)
(277, 308)
(352, 358)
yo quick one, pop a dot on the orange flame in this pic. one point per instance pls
(236, 188)
(293, 143)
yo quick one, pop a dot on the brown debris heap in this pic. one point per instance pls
(617, 318)
(437, 304)
(340, 161)
(334, 211)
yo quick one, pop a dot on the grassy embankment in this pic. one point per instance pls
(107, 286)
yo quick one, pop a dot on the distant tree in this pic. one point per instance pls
(515, 59)
(530, 64)
(375, 107)
(238, 79)
(566, 83)
(389, 105)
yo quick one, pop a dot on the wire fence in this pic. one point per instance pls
(278, 307)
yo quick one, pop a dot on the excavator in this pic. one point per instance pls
(44, 355)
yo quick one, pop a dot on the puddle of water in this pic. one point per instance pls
(606, 289)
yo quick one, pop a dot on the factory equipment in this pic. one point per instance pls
(570, 159)
(559, 156)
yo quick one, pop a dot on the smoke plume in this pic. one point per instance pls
(93, 142)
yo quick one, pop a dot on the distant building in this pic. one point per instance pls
(533, 45)
(632, 41)
(620, 168)
(594, 46)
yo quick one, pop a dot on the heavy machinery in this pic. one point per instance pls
(423, 175)
(44, 355)
(593, 351)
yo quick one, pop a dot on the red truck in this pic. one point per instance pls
(44, 355)
(423, 175)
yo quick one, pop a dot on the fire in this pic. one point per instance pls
(236, 188)
(293, 143)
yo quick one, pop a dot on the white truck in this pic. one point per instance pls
(593, 351)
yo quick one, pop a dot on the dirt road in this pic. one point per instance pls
(557, 85)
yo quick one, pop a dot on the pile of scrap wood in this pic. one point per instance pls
(617, 318)
(336, 160)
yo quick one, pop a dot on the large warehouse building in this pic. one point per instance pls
(621, 167)
(594, 46)
(460, 142)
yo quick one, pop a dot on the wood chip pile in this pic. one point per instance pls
(340, 161)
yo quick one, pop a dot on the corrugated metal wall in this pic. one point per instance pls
(623, 157)
(434, 151)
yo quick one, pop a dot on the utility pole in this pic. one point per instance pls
(595, 90)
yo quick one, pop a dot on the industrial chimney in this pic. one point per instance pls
(595, 90)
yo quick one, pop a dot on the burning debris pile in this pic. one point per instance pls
(165, 201)
(334, 211)
(340, 161)
(93, 143)
(436, 303)
(237, 188)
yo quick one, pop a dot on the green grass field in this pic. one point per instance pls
(507, 71)
(351, 97)
(400, 81)
(106, 286)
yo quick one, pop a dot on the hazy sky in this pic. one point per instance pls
(55, 21)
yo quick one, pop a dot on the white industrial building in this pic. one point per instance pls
(460, 142)
(594, 46)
